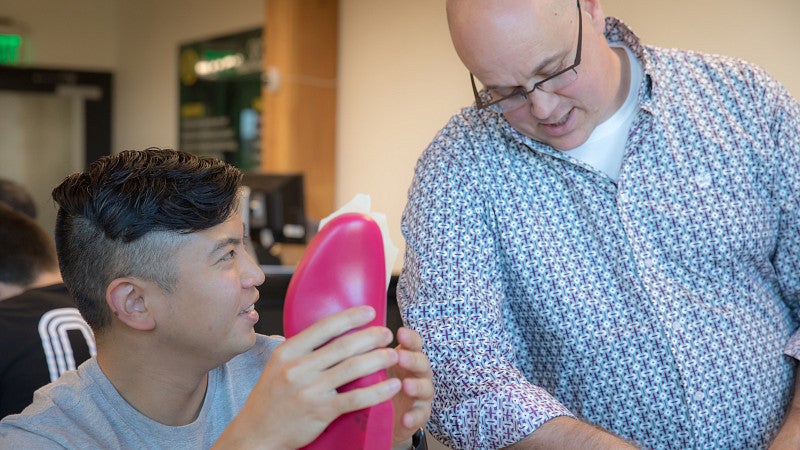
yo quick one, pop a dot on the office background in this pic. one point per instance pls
(399, 79)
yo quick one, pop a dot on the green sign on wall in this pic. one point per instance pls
(10, 49)
(220, 97)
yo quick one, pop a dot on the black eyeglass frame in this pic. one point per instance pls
(480, 104)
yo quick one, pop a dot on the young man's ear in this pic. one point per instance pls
(125, 297)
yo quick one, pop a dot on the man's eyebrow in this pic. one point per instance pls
(224, 243)
(549, 60)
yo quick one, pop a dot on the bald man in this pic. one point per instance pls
(603, 250)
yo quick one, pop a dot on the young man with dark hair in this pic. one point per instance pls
(42, 334)
(152, 248)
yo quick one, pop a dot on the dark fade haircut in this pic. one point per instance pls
(26, 250)
(128, 213)
(17, 197)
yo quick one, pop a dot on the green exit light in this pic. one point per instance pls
(10, 45)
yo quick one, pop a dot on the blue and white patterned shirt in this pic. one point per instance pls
(656, 307)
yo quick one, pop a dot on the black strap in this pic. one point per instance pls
(418, 441)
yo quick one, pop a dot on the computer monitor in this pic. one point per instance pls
(277, 208)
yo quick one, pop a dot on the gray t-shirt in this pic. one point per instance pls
(82, 409)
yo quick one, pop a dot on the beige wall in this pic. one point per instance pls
(765, 32)
(72, 34)
(399, 79)
(151, 31)
(138, 41)
(399, 82)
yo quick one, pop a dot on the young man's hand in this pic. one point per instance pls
(296, 398)
(412, 405)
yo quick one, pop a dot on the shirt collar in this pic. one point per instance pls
(618, 32)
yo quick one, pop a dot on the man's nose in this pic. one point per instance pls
(542, 103)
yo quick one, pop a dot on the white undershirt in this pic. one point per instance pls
(605, 147)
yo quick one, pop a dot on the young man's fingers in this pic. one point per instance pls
(359, 366)
(368, 396)
(328, 328)
(415, 362)
(420, 388)
(341, 361)
(409, 339)
(349, 345)
(416, 417)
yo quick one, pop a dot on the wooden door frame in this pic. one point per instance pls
(299, 106)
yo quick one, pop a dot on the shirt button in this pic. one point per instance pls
(623, 197)
(698, 395)
(677, 327)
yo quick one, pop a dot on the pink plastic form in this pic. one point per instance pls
(344, 266)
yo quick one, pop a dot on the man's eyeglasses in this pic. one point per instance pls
(500, 102)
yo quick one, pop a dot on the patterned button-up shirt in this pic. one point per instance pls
(657, 307)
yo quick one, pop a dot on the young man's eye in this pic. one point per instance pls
(229, 255)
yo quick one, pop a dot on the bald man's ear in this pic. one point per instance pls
(125, 296)
(594, 12)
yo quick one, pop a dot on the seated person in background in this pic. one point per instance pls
(17, 197)
(151, 246)
(42, 334)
